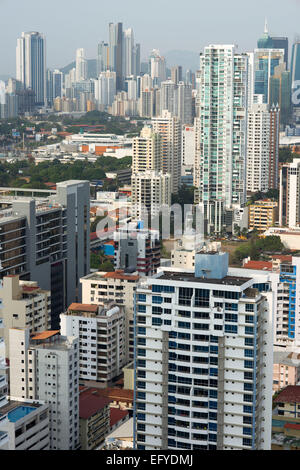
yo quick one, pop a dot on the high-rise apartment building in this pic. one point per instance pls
(46, 239)
(203, 359)
(289, 194)
(188, 146)
(116, 52)
(103, 63)
(168, 97)
(129, 67)
(146, 151)
(101, 332)
(105, 88)
(31, 64)
(262, 148)
(295, 70)
(137, 248)
(220, 162)
(146, 104)
(23, 305)
(46, 367)
(169, 128)
(176, 74)
(81, 65)
(54, 85)
(150, 191)
(177, 99)
(184, 103)
(117, 287)
(157, 67)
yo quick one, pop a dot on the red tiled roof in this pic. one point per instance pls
(119, 274)
(46, 334)
(83, 308)
(265, 265)
(117, 394)
(292, 425)
(29, 288)
(291, 394)
(282, 257)
(91, 403)
(117, 415)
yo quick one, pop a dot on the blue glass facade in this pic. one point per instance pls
(288, 276)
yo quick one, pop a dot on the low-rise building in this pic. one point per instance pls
(121, 438)
(263, 214)
(94, 413)
(286, 419)
(286, 369)
(118, 416)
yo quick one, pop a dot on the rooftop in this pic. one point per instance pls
(117, 394)
(16, 410)
(83, 308)
(91, 403)
(117, 415)
(291, 394)
(264, 265)
(190, 277)
(118, 274)
(45, 334)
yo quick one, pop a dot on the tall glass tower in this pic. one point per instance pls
(31, 64)
(265, 61)
(221, 130)
(295, 67)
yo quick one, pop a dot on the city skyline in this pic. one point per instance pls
(204, 28)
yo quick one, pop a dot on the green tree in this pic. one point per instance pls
(107, 266)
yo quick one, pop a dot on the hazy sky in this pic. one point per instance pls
(159, 24)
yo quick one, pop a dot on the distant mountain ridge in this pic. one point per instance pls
(91, 68)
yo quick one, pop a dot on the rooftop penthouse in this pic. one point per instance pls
(106, 310)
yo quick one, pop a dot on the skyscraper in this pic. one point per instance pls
(102, 58)
(169, 128)
(262, 148)
(176, 74)
(116, 51)
(204, 358)
(280, 93)
(157, 67)
(289, 194)
(220, 161)
(295, 68)
(105, 88)
(265, 61)
(32, 359)
(51, 240)
(184, 103)
(81, 65)
(274, 42)
(31, 64)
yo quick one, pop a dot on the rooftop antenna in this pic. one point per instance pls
(266, 27)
